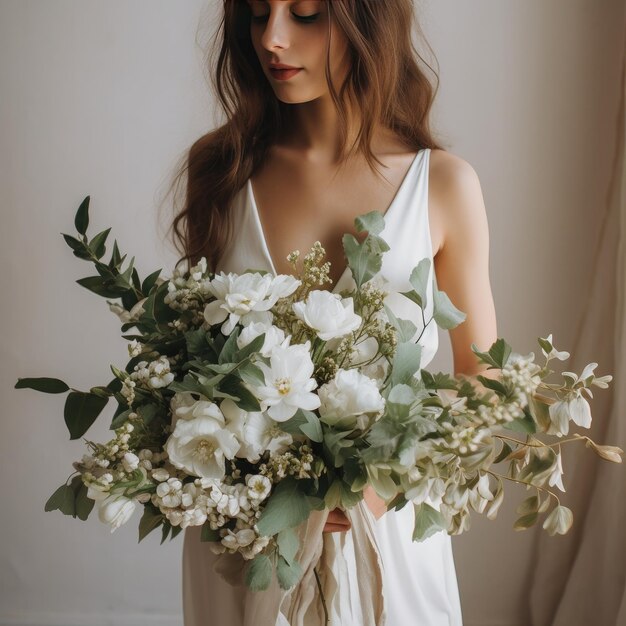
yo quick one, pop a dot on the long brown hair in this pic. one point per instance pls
(385, 83)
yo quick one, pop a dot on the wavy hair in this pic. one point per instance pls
(385, 83)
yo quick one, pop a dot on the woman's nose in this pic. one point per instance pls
(276, 32)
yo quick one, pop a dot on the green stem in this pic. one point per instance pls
(319, 586)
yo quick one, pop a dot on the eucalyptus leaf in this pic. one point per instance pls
(97, 244)
(81, 219)
(445, 313)
(288, 574)
(259, 574)
(288, 544)
(428, 521)
(406, 362)
(286, 507)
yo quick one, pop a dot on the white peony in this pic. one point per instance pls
(116, 509)
(200, 445)
(288, 381)
(245, 298)
(327, 313)
(273, 336)
(350, 400)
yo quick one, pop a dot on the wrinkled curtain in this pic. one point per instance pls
(580, 578)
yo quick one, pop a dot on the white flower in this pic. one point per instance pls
(559, 520)
(263, 433)
(116, 510)
(364, 351)
(170, 492)
(237, 421)
(580, 411)
(554, 353)
(200, 445)
(128, 316)
(251, 550)
(241, 538)
(288, 382)
(160, 474)
(557, 473)
(328, 314)
(259, 486)
(350, 400)
(273, 336)
(245, 298)
(130, 462)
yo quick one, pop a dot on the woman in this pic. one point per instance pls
(294, 164)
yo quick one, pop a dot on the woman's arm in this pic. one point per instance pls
(461, 267)
(462, 263)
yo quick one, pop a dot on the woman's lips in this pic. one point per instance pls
(284, 74)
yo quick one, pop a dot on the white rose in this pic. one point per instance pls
(327, 313)
(116, 510)
(350, 400)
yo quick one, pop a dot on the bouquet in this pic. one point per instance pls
(250, 400)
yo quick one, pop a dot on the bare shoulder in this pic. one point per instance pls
(456, 197)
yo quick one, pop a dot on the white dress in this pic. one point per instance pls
(419, 578)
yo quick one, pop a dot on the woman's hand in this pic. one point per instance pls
(374, 502)
(337, 522)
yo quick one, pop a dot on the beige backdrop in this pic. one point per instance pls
(102, 98)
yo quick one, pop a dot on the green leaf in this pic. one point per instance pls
(175, 531)
(444, 312)
(83, 504)
(47, 385)
(286, 507)
(406, 362)
(242, 396)
(97, 244)
(313, 427)
(405, 328)
(259, 574)
(373, 222)
(497, 355)
(525, 522)
(252, 375)
(81, 220)
(81, 410)
(230, 348)
(524, 424)
(63, 500)
(529, 505)
(428, 521)
(419, 282)
(149, 282)
(288, 574)
(208, 534)
(288, 544)
(97, 285)
(254, 346)
(504, 452)
(165, 529)
(77, 246)
(149, 521)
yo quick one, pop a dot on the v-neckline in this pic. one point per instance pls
(388, 213)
